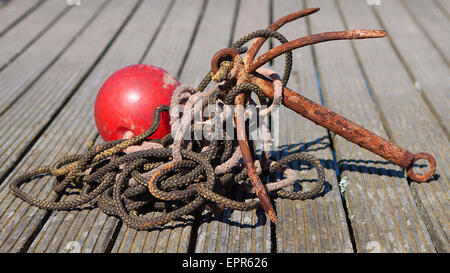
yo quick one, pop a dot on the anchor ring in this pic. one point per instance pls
(422, 177)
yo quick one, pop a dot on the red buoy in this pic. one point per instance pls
(125, 103)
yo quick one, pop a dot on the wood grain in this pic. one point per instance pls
(410, 123)
(377, 196)
(22, 36)
(234, 231)
(316, 225)
(13, 13)
(47, 149)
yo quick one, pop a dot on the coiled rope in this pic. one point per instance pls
(130, 178)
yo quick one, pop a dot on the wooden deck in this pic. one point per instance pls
(54, 57)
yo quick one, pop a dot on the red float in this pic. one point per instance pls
(125, 103)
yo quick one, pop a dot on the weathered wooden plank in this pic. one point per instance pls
(410, 123)
(17, 77)
(317, 225)
(168, 51)
(172, 238)
(424, 63)
(170, 48)
(15, 220)
(97, 229)
(433, 21)
(380, 206)
(14, 11)
(213, 35)
(27, 31)
(233, 231)
(91, 231)
(444, 5)
(24, 119)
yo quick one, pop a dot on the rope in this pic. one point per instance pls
(133, 178)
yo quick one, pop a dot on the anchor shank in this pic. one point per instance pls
(338, 124)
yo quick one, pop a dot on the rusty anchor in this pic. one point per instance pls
(245, 71)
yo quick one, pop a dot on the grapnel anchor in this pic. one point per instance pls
(129, 178)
